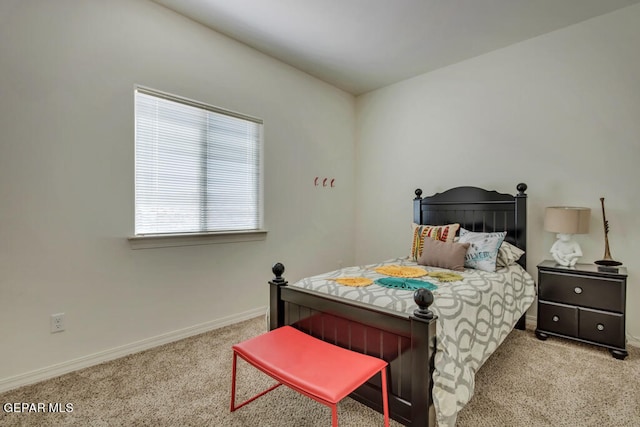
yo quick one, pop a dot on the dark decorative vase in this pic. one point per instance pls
(607, 260)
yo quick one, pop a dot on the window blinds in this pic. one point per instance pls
(198, 168)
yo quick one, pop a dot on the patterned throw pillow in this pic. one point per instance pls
(445, 233)
(508, 254)
(483, 252)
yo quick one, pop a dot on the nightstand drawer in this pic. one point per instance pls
(604, 328)
(584, 291)
(558, 318)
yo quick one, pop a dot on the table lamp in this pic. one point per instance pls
(566, 221)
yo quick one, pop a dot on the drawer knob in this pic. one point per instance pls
(600, 327)
(578, 290)
(555, 318)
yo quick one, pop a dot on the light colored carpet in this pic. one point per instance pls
(187, 383)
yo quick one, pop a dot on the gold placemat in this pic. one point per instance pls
(354, 281)
(445, 276)
(401, 271)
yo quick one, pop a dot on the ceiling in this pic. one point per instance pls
(362, 45)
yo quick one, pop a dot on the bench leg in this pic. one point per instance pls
(385, 402)
(385, 397)
(233, 387)
(233, 382)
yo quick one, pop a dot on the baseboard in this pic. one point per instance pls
(121, 351)
(531, 321)
(56, 370)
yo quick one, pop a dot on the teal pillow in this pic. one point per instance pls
(483, 249)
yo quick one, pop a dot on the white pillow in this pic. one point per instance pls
(483, 251)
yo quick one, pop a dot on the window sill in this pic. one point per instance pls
(191, 239)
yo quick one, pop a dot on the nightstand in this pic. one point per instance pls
(585, 303)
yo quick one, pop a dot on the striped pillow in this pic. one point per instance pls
(508, 254)
(444, 233)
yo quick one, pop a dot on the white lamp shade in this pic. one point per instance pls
(567, 220)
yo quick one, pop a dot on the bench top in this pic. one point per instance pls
(321, 369)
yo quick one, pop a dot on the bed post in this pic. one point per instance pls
(423, 342)
(521, 219)
(521, 238)
(417, 207)
(276, 305)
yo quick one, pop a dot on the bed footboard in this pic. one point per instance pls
(406, 342)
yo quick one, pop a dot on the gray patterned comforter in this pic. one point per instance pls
(474, 316)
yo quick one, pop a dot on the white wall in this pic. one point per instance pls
(565, 106)
(559, 112)
(67, 73)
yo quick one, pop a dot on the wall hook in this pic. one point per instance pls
(324, 182)
(332, 181)
(315, 181)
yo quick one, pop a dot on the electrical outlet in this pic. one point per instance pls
(57, 322)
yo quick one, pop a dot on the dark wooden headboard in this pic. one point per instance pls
(477, 209)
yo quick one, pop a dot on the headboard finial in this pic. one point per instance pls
(418, 194)
(522, 187)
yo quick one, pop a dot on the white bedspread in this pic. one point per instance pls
(474, 317)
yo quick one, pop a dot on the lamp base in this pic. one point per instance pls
(566, 251)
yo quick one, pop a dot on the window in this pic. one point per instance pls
(198, 167)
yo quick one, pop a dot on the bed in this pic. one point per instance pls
(433, 349)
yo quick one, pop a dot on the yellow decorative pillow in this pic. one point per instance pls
(401, 271)
(444, 233)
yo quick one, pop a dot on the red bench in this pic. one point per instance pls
(317, 369)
